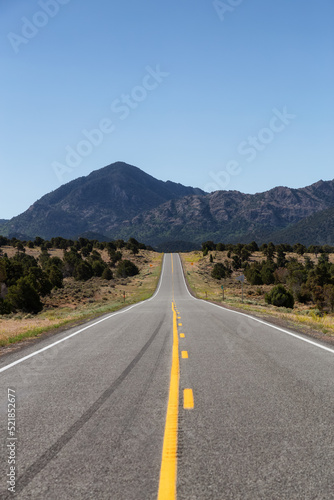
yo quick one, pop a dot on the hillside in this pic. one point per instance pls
(2, 223)
(318, 229)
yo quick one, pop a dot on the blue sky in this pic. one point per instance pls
(220, 95)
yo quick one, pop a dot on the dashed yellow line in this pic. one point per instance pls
(182, 335)
(168, 470)
(188, 399)
(184, 354)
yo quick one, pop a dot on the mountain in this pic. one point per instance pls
(230, 216)
(101, 203)
(122, 201)
(318, 229)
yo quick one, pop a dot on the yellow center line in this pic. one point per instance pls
(184, 354)
(188, 399)
(182, 335)
(168, 470)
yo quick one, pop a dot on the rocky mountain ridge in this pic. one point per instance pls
(122, 201)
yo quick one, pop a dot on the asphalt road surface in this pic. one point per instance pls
(171, 398)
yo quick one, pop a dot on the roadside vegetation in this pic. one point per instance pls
(295, 283)
(45, 285)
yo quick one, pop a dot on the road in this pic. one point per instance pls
(100, 409)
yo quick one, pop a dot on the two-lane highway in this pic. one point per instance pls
(173, 397)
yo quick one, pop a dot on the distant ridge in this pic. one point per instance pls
(122, 201)
(317, 229)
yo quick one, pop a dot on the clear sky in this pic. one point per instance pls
(233, 94)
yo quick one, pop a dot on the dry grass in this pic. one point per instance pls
(79, 301)
(34, 252)
(198, 272)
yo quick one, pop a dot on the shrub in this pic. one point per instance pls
(253, 276)
(83, 271)
(219, 271)
(267, 275)
(39, 280)
(24, 297)
(126, 268)
(304, 295)
(71, 261)
(280, 297)
(85, 251)
(236, 262)
(107, 274)
(98, 267)
(5, 307)
(114, 256)
(329, 296)
(56, 277)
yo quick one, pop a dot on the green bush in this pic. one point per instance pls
(236, 262)
(253, 276)
(267, 275)
(24, 297)
(71, 261)
(107, 274)
(280, 297)
(126, 268)
(83, 271)
(56, 277)
(220, 271)
(98, 267)
(39, 280)
(5, 307)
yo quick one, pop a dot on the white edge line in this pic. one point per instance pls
(256, 319)
(89, 326)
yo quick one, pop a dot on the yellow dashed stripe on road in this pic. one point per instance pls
(184, 354)
(182, 335)
(188, 399)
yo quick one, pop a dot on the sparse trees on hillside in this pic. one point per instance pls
(304, 279)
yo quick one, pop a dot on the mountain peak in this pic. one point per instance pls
(122, 201)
